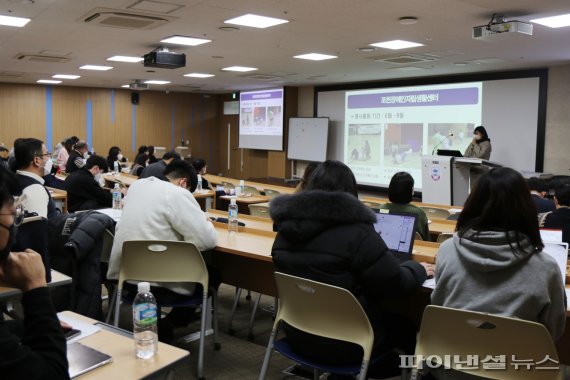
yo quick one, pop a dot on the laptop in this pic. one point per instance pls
(450, 153)
(83, 359)
(398, 231)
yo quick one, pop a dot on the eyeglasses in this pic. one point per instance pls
(18, 215)
(44, 154)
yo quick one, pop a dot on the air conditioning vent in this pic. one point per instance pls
(11, 75)
(41, 58)
(263, 77)
(405, 59)
(115, 18)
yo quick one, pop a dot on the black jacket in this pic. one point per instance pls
(34, 348)
(560, 220)
(329, 237)
(84, 193)
(74, 162)
(542, 205)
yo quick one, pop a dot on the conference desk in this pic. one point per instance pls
(59, 195)
(122, 179)
(419, 204)
(243, 202)
(217, 180)
(57, 279)
(120, 346)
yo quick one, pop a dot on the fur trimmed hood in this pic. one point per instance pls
(302, 216)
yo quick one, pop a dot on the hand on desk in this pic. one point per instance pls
(430, 269)
(24, 270)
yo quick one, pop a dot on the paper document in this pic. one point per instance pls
(559, 251)
(112, 213)
(85, 327)
(429, 283)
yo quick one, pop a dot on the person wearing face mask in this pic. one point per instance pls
(33, 162)
(84, 191)
(480, 147)
(4, 153)
(33, 348)
(78, 157)
(115, 155)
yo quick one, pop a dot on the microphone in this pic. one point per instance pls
(441, 142)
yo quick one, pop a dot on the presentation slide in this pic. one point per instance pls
(261, 119)
(388, 130)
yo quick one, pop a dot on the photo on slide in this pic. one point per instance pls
(403, 145)
(364, 144)
(462, 136)
(273, 116)
(259, 116)
(246, 116)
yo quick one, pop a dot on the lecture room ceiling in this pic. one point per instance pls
(58, 40)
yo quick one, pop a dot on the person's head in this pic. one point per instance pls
(537, 185)
(168, 157)
(82, 147)
(333, 176)
(10, 217)
(151, 150)
(32, 156)
(142, 159)
(68, 144)
(480, 134)
(143, 149)
(181, 173)
(74, 140)
(4, 153)
(401, 188)
(309, 169)
(562, 196)
(115, 154)
(200, 166)
(501, 201)
(96, 165)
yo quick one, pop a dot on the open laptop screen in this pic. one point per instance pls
(397, 230)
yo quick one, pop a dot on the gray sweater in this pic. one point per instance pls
(482, 273)
(479, 150)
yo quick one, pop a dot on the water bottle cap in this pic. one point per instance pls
(241, 182)
(233, 200)
(117, 186)
(143, 287)
(199, 177)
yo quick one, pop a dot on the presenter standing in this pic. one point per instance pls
(480, 147)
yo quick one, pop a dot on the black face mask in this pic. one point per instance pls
(12, 232)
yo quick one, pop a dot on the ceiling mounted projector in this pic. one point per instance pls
(138, 85)
(162, 58)
(499, 27)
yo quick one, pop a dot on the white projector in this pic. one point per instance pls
(501, 29)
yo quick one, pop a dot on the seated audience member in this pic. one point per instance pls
(494, 263)
(84, 191)
(325, 234)
(309, 169)
(201, 168)
(560, 218)
(140, 163)
(157, 169)
(151, 157)
(33, 162)
(143, 149)
(77, 157)
(538, 191)
(115, 155)
(32, 348)
(165, 210)
(4, 153)
(400, 193)
(63, 154)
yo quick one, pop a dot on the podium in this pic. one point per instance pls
(448, 180)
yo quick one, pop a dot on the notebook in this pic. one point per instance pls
(83, 359)
(398, 231)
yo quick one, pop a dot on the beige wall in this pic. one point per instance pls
(556, 151)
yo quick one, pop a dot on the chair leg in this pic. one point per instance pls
(315, 374)
(202, 336)
(111, 302)
(268, 352)
(117, 307)
(231, 331)
(363, 370)
(217, 344)
(248, 297)
(252, 318)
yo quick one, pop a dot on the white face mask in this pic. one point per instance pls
(86, 155)
(47, 166)
(120, 157)
(98, 178)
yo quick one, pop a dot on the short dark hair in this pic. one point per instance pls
(25, 149)
(142, 149)
(141, 159)
(199, 164)
(333, 176)
(500, 201)
(401, 188)
(80, 145)
(171, 154)
(9, 185)
(178, 169)
(481, 129)
(309, 169)
(537, 184)
(562, 195)
(114, 152)
(96, 160)
(150, 150)
(3, 149)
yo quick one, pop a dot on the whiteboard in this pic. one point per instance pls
(308, 138)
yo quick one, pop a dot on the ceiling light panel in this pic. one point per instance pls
(125, 58)
(186, 41)
(256, 21)
(396, 44)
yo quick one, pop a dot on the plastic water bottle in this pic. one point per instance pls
(233, 216)
(199, 186)
(242, 186)
(116, 197)
(145, 322)
(116, 165)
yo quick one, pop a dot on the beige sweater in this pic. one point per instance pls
(479, 150)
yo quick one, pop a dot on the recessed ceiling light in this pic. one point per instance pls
(14, 21)
(408, 20)
(554, 21)
(315, 56)
(65, 76)
(228, 28)
(157, 82)
(96, 68)
(199, 75)
(255, 21)
(241, 69)
(49, 81)
(396, 44)
(125, 58)
(366, 49)
(126, 86)
(187, 41)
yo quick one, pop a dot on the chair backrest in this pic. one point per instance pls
(107, 247)
(446, 331)
(417, 236)
(323, 310)
(271, 193)
(162, 261)
(443, 237)
(228, 185)
(257, 210)
(374, 205)
(251, 190)
(438, 213)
